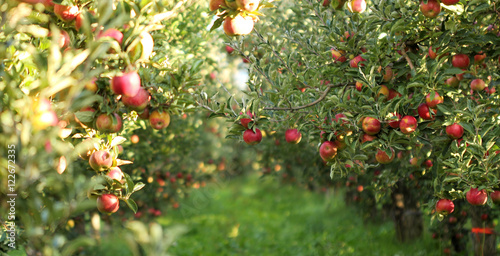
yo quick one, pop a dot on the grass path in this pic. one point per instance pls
(251, 216)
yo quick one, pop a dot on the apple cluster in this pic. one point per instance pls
(238, 16)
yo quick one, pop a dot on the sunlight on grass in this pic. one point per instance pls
(251, 216)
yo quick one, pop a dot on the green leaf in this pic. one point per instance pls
(131, 204)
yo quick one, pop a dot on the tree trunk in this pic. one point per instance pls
(483, 233)
(407, 215)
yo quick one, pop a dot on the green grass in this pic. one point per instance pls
(251, 216)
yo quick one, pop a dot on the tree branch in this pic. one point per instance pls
(403, 52)
(321, 98)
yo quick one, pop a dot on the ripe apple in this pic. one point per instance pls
(414, 161)
(229, 49)
(365, 138)
(216, 4)
(387, 76)
(245, 122)
(479, 58)
(328, 150)
(395, 120)
(63, 40)
(238, 26)
(100, 160)
(460, 61)
(449, 2)
(383, 158)
(356, 62)
(477, 85)
(476, 197)
(452, 82)
(356, 6)
(428, 164)
(115, 173)
(159, 120)
(113, 33)
(66, 13)
(455, 131)
(495, 196)
(393, 94)
(452, 220)
(108, 203)
(359, 86)
(338, 55)
(431, 9)
(247, 5)
(424, 112)
(383, 91)
(432, 54)
(370, 125)
(432, 103)
(293, 136)
(251, 138)
(126, 84)
(109, 123)
(138, 102)
(408, 124)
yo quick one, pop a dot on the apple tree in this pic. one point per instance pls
(402, 87)
(82, 82)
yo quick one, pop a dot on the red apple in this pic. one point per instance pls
(138, 102)
(424, 112)
(431, 9)
(449, 2)
(428, 164)
(216, 4)
(476, 197)
(356, 6)
(108, 203)
(436, 99)
(251, 138)
(452, 82)
(359, 86)
(432, 54)
(113, 33)
(115, 173)
(452, 220)
(328, 150)
(144, 115)
(88, 112)
(159, 120)
(395, 120)
(342, 117)
(455, 131)
(495, 196)
(383, 158)
(365, 138)
(393, 94)
(100, 160)
(238, 26)
(245, 122)
(479, 58)
(126, 84)
(477, 85)
(338, 55)
(247, 5)
(356, 62)
(408, 124)
(43, 120)
(460, 61)
(371, 126)
(293, 136)
(387, 76)
(109, 123)
(66, 13)
(229, 49)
